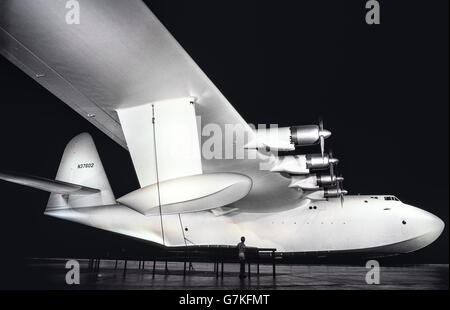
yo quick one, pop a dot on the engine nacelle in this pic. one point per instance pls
(327, 180)
(307, 182)
(291, 165)
(307, 135)
(319, 162)
(313, 181)
(334, 192)
(287, 138)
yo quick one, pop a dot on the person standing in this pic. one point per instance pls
(241, 251)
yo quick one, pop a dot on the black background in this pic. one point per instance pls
(382, 90)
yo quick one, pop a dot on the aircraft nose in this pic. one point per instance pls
(436, 226)
(433, 223)
(428, 226)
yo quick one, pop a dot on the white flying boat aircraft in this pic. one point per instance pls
(122, 70)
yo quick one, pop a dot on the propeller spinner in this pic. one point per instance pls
(323, 134)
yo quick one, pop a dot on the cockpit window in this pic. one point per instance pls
(391, 198)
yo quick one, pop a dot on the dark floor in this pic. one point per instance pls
(48, 274)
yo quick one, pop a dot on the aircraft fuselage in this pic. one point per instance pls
(364, 224)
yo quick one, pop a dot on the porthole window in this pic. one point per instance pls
(186, 229)
(315, 208)
(365, 201)
(404, 222)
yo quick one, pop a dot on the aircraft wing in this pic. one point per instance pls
(119, 58)
(120, 55)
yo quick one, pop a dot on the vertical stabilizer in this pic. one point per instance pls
(81, 164)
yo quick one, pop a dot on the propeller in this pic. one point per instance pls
(331, 167)
(323, 134)
(341, 192)
(338, 180)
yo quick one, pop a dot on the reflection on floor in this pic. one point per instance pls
(48, 274)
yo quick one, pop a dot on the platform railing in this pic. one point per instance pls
(217, 255)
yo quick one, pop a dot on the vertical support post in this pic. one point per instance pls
(273, 264)
(115, 265)
(257, 263)
(217, 267)
(125, 267)
(222, 268)
(249, 273)
(154, 266)
(185, 254)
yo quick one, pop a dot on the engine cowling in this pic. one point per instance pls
(287, 138)
(334, 192)
(319, 162)
(307, 135)
(327, 180)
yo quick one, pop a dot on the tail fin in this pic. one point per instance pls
(80, 164)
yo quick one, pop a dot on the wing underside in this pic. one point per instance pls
(118, 58)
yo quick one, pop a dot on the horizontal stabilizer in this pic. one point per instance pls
(48, 185)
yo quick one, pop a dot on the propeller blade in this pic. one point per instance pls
(322, 145)
(339, 190)
(320, 124)
(332, 171)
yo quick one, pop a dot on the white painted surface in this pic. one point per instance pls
(51, 186)
(358, 226)
(174, 133)
(81, 164)
(189, 194)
